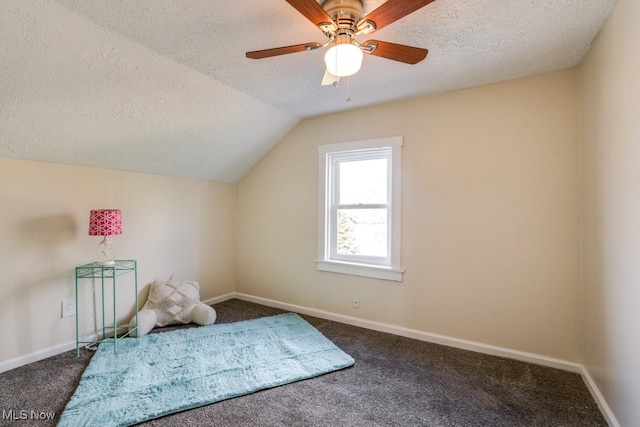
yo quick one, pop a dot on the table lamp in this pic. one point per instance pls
(105, 223)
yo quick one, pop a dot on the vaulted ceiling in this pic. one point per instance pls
(163, 86)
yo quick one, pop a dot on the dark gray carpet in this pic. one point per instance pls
(395, 382)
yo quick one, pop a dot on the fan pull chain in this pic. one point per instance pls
(348, 98)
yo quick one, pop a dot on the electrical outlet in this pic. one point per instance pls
(68, 308)
(355, 302)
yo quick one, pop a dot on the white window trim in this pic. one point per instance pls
(392, 271)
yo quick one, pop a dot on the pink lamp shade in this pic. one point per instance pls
(105, 222)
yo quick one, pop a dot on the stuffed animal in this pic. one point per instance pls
(172, 302)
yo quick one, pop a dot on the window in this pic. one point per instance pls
(359, 208)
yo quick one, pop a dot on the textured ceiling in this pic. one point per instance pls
(163, 86)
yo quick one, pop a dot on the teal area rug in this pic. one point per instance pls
(163, 373)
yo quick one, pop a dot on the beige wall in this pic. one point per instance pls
(491, 210)
(611, 164)
(170, 225)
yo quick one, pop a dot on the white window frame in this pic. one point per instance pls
(329, 155)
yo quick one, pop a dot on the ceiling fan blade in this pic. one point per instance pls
(311, 10)
(392, 10)
(396, 52)
(329, 79)
(266, 53)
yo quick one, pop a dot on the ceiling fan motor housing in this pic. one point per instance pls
(345, 15)
(343, 10)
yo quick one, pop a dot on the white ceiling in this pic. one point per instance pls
(163, 86)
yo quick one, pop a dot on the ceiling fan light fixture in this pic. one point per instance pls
(343, 59)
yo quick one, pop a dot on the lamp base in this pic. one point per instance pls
(106, 255)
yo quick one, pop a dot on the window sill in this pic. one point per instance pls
(374, 272)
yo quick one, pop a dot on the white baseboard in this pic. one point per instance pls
(420, 335)
(17, 362)
(376, 326)
(221, 298)
(36, 356)
(451, 342)
(607, 413)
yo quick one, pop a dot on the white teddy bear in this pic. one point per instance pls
(172, 302)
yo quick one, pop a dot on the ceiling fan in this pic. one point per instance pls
(342, 21)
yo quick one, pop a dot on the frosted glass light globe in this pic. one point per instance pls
(343, 60)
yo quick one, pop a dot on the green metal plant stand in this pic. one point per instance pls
(105, 274)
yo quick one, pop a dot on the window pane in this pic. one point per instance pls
(363, 181)
(362, 232)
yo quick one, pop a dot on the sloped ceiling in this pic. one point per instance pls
(163, 86)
